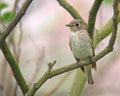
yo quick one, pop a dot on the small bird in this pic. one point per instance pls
(81, 45)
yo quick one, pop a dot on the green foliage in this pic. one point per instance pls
(3, 5)
(7, 16)
(107, 1)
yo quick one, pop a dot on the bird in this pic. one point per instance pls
(81, 46)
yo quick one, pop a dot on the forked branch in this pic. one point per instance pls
(67, 68)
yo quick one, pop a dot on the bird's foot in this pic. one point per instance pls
(93, 63)
(82, 68)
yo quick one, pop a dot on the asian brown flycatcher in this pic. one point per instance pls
(81, 45)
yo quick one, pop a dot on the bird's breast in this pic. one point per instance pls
(80, 45)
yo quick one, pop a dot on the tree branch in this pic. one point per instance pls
(92, 16)
(7, 53)
(58, 85)
(15, 20)
(47, 75)
(64, 69)
(104, 31)
(70, 9)
(114, 24)
(15, 69)
(98, 34)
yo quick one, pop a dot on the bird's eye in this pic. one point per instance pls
(77, 24)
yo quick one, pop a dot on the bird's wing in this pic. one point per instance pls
(94, 64)
(70, 44)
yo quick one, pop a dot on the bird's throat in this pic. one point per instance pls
(74, 33)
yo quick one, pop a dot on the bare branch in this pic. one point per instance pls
(115, 24)
(105, 30)
(64, 69)
(15, 69)
(70, 9)
(60, 82)
(15, 20)
(92, 16)
(50, 66)
(99, 34)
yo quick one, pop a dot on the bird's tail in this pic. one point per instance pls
(89, 74)
(94, 66)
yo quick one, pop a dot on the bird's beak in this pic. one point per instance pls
(68, 25)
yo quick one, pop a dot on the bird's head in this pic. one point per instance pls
(76, 25)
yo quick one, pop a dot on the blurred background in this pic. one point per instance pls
(41, 37)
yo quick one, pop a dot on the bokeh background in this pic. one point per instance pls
(42, 37)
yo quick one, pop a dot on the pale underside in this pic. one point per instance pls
(81, 45)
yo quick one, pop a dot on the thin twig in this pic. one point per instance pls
(115, 24)
(15, 5)
(39, 60)
(64, 69)
(70, 9)
(37, 66)
(4, 70)
(15, 69)
(98, 34)
(60, 82)
(22, 83)
(19, 41)
(50, 65)
(15, 20)
(92, 16)
(9, 86)
(105, 30)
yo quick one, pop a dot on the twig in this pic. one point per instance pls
(50, 66)
(19, 42)
(60, 82)
(9, 86)
(114, 30)
(39, 59)
(37, 67)
(70, 9)
(18, 53)
(18, 76)
(17, 49)
(3, 74)
(15, 20)
(15, 5)
(104, 31)
(98, 34)
(14, 66)
(62, 70)
(92, 16)
(115, 23)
